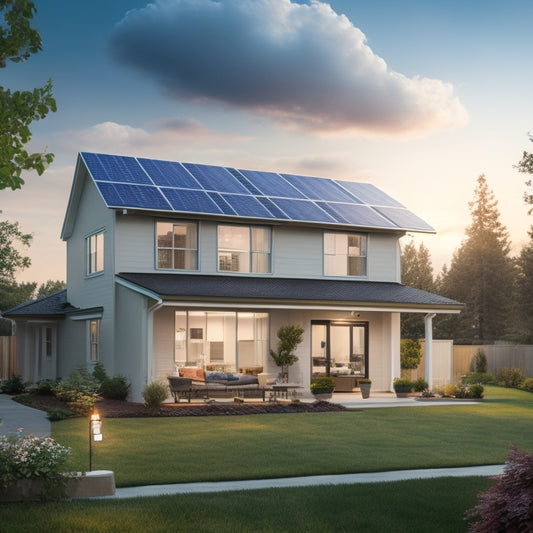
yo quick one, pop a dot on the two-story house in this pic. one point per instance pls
(172, 264)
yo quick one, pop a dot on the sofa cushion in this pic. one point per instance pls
(192, 372)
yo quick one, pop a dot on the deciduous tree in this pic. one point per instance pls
(11, 259)
(18, 109)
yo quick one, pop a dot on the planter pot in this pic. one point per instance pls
(323, 396)
(402, 394)
(91, 484)
(365, 390)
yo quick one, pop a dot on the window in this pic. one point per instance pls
(244, 249)
(94, 340)
(344, 254)
(95, 253)
(221, 340)
(177, 245)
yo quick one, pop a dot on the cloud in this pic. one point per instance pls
(303, 65)
(162, 137)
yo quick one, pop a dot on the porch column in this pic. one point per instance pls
(428, 349)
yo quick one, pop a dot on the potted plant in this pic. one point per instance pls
(364, 385)
(322, 388)
(402, 387)
(289, 338)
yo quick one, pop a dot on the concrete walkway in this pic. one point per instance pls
(308, 481)
(16, 416)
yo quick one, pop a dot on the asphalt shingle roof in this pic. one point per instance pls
(288, 290)
(55, 304)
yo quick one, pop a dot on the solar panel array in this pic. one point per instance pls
(148, 184)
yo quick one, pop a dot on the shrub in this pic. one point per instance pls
(410, 353)
(480, 378)
(13, 385)
(452, 390)
(420, 385)
(402, 385)
(99, 372)
(322, 385)
(154, 394)
(79, 390)
(45, 387)
(479, 362)
(116, 388)
(528, 384)
(476, 391)
(59, 413)
(507, 505)
(32, 457)
(510, 377)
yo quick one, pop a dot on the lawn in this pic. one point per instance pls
(415, 506)
(149, 451)
(175, 450)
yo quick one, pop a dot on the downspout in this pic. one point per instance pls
(428, 349)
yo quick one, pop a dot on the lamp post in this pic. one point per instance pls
(95, 433)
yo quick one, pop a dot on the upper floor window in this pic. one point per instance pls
(244, 249)
(95, 252)
(177, 245)
(345, 254)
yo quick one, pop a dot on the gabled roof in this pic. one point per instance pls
(52, 306)
(226, 192)
(291, 292)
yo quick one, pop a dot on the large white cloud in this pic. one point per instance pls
(304, 65)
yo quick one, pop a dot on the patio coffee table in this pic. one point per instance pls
(285, 388)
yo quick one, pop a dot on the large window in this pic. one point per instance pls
(177, 245)
(344, 254)
(244, 249)
(221, 340)
(95, 253)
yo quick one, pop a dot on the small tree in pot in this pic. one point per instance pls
(289, 338)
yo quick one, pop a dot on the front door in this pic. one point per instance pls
(339, 348)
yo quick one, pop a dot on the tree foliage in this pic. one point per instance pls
(289, 338)
(417, 272)
(481, 274)
(18, 109)
(410, 353)
(11, 259)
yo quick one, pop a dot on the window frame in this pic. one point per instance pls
(95, 253)
(173, 248)
(94, 339)
(362, 257)
(251, 251)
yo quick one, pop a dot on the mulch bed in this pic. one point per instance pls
(120, 409)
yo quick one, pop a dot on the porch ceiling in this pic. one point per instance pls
(289, 292)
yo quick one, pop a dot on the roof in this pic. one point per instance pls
(54, 305)
(226, 192)
(290, 292)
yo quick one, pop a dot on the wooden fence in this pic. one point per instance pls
(8, 357)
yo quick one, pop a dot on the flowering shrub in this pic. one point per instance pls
(30, 457)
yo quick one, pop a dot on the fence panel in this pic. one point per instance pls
(8, 357)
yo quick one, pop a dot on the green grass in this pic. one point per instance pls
(150, 451)
(415, 506)
(174, 450)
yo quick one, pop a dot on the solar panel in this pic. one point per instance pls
(369, 194)
(131, 195)
(247, 206)
(216, 179)
(120, 169)
(359, 215)
(169, 174)
(320, 189)
(271, 184)
(190, 201)
(303, 210)
(403, 218)
(126, 182)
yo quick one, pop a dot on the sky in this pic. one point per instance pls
(418, 97)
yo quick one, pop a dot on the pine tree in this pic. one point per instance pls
(417, 272)
(481, 274)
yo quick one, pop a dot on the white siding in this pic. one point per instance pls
(383, 259)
